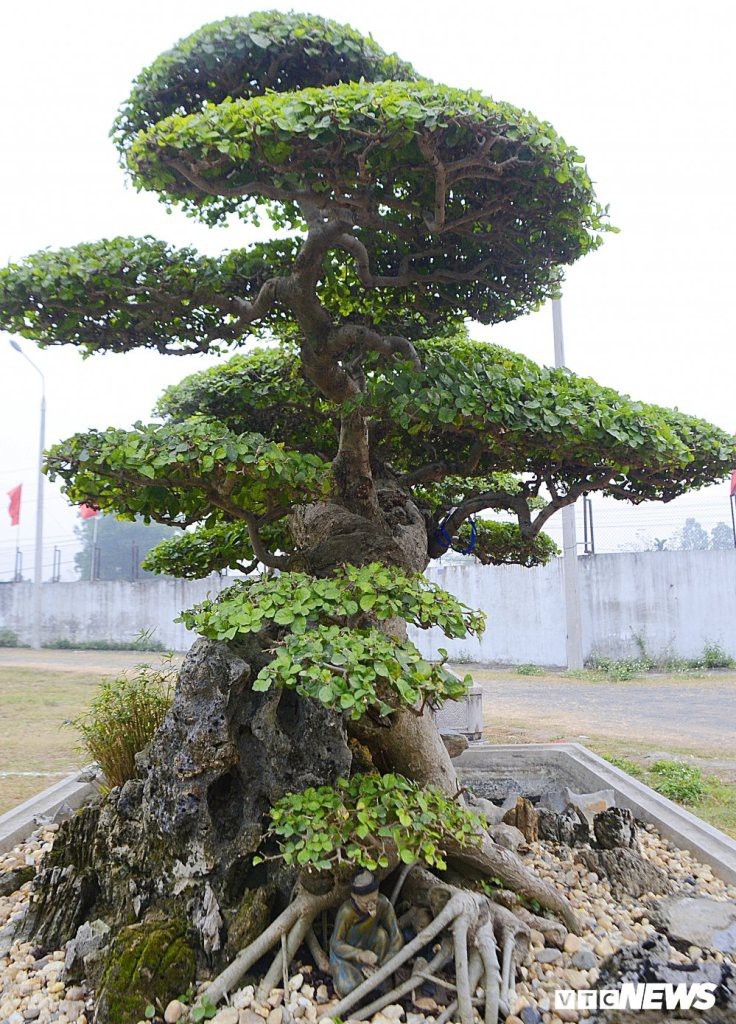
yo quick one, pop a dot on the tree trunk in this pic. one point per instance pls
(177, 842)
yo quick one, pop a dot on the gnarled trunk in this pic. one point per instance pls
(177, 842)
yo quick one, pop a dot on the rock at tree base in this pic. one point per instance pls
(627, 871)
(455, 742)
(697, 921)
(589, 804)
(507, 835)
(615, 827)
(568, 829)
(11, 881)
(524, 817)
(648, 961)
(178, 840)
(249, 920)
(150, 962)
(91, 937)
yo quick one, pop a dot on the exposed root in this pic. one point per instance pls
(464, 994)
(475, 973)
(446, 916)
(422, 971)
(305, 905)
(279, 967)
(485, 941)
(491, 859)
(400, 882)
(477, 927)
(485, 936)
(318, 954)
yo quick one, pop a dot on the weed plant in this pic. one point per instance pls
(528, 670)
(677, 781)
(683, 783)
(622, 669)
(124, 715)
(9, 638)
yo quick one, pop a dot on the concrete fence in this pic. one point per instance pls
(673, 601)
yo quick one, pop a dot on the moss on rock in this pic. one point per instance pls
(249, 920)
(150, 962)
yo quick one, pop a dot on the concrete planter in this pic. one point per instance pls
(534, 768)
(493, 772)
(70, 793)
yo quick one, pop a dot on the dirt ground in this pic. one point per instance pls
(675, 715)
(679, 713)
(39, 692)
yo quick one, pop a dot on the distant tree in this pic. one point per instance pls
(692, 537)
(721, 536)
(119, 540)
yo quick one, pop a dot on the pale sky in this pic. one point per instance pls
(644, 90)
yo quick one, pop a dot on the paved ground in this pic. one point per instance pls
(675, 714)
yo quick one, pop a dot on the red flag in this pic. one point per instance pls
(14, 506)
(733, 483)
(86, 510)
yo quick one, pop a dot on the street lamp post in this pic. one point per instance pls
(38, 562)
(574, 629)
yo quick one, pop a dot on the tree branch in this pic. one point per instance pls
(259, 548)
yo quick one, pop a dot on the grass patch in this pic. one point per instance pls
(622, 669)
(124, 714)
(678, 781)
(35, 701)
(528, 670)
(144, 644)
(707, 796)
(9, 638)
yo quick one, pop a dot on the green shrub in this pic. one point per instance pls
(619, 670)
(625, 764)
(529, 670)
(137, 644)
(122, 718)
(8, 638)
(714, 656)
(677, 781)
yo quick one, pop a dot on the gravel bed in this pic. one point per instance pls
(32, 986)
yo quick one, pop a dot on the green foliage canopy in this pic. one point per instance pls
(180, 473)
(267, 51)
(327, 642)
(368, 820)
(468, 206)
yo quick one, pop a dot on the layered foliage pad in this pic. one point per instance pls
(493, 543)
(368, 821)
(354, 597)
(328, 647)
(196, 553)
(267, 51)
(124, 293)
(358, 671)
(182, 473)
(473, 411)
(478, 427)
(476, 199)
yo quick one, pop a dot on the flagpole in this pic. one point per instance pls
(94, 549)
(38, 563)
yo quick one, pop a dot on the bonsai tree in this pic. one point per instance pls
(353, 446)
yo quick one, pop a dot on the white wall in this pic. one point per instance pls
(674, 600)
(104, 610)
